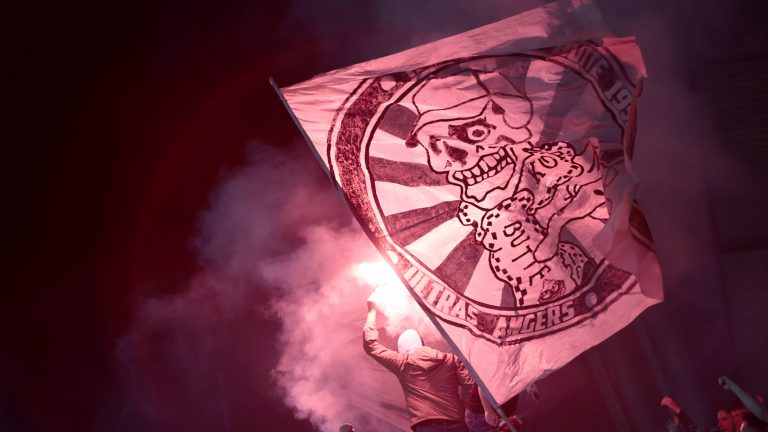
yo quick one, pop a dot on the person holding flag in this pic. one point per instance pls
(431, 379)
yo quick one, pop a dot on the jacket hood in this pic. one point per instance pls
(408, 341)
(426, 358)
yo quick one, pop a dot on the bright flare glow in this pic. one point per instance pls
(392, 298)
(389, 294)
(377, 274)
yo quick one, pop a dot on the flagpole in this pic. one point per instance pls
(311, 145)
(483, 388)
(301, 129)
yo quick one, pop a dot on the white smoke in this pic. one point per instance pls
(276, 243)
(323, 370)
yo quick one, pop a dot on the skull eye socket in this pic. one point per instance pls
(471, 132)
(478, 132)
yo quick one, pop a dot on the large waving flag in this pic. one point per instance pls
(493, 171)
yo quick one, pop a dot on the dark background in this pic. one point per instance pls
(124, 118)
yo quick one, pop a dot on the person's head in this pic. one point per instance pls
(738, 416)
(408, 341)
(752, 424)
(346, 427)
(725, 421)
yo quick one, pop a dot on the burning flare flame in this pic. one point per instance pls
(392, 298)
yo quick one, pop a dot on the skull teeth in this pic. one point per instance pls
(487, 167)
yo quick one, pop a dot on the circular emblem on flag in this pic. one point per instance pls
(489, 180)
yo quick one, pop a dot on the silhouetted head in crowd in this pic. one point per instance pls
(725, 421)
(738, 415)
(750, 423)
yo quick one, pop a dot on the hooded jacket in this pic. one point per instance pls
(430, 379)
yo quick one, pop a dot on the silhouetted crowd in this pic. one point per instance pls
(749, 414)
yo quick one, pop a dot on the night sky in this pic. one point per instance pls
(136, 129)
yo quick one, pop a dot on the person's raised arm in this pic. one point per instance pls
(681, 420)
(388, 358)
(370, 320)
(671, 404)
(749, 401)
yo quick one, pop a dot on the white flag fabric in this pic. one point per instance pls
(493, 171)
